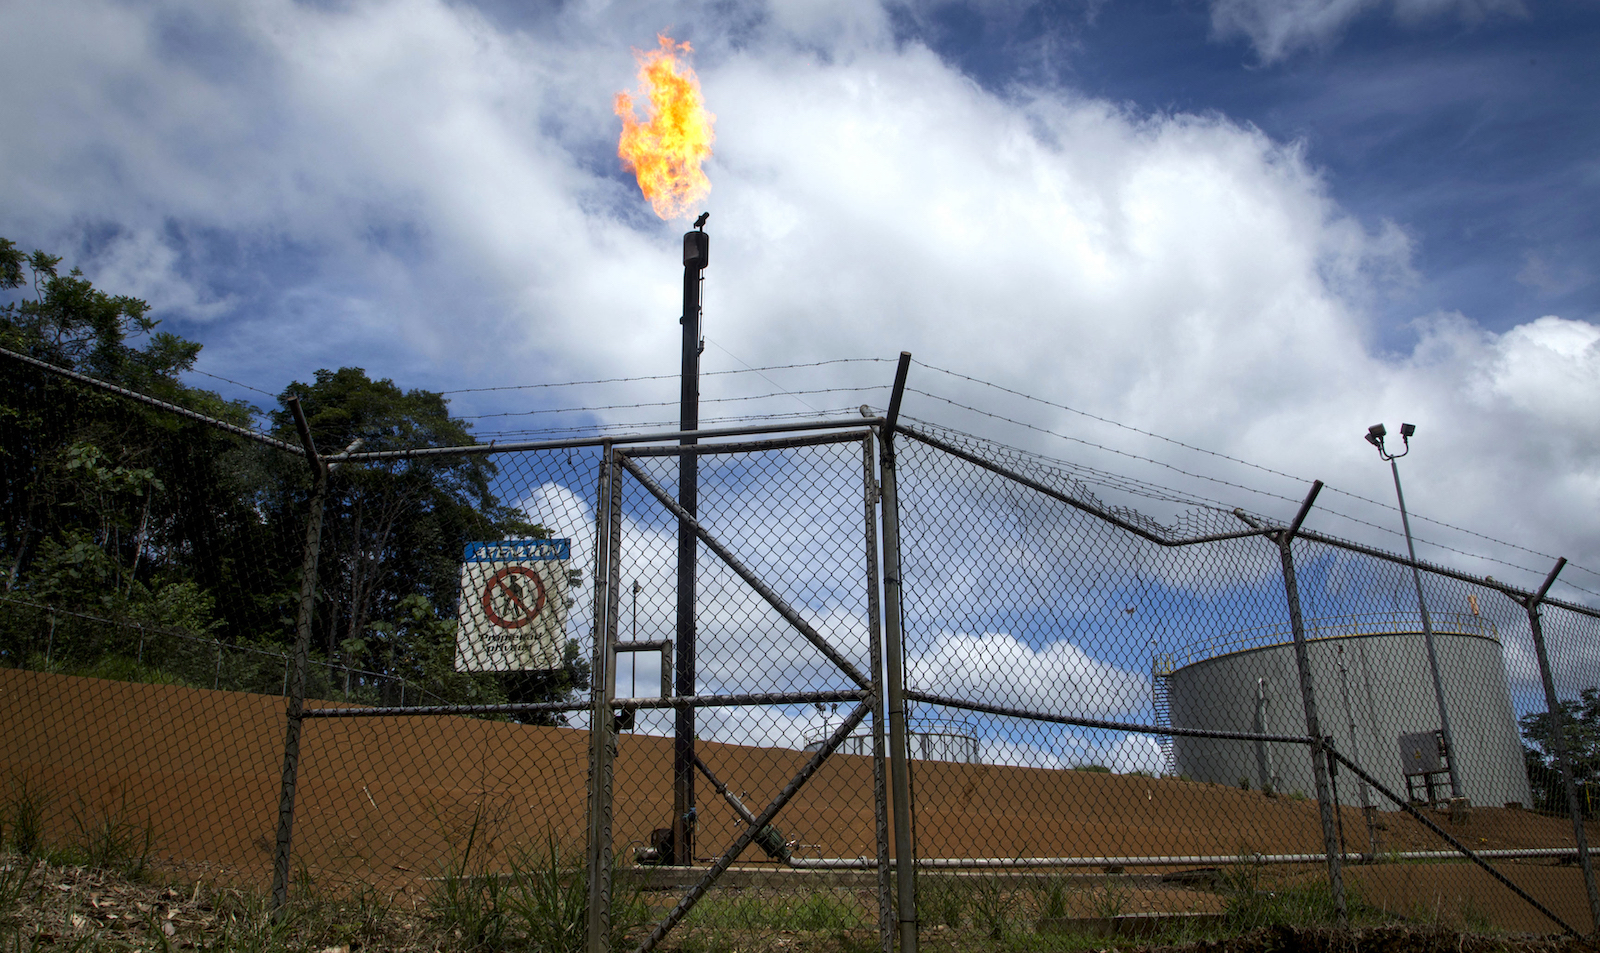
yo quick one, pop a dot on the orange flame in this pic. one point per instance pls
(665, 151)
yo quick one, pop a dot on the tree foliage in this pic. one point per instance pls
(1579, 725)
(119, 511)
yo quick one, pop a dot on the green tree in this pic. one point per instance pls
(1579, 724)
(105, 505)
(121, 511)
(394, 531)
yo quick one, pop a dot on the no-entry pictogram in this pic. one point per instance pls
(512, 616)
(514, 597)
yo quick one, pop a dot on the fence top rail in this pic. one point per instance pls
(155, 402)
(852, 423)
(1091, 506)
(1522, 596)
(754, 446)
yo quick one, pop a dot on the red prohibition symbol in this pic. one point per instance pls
(519, 586)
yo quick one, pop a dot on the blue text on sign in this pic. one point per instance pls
(518, 550)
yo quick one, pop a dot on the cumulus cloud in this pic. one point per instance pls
(435, 195)
(998, 669)
(1279, 28)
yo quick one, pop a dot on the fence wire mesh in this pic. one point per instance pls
(396, 798)
(1107, 720)
(782, 615)
(151, 566)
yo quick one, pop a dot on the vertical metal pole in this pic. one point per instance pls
(1367, 809)
(1302, 660)
(696, 249)
(1433, 654)
(1559, 742)
(602, 733)
(880, 799)
(297, 678)
(894, 649)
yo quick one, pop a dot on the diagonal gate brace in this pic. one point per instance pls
(757, 825)
(762, 589)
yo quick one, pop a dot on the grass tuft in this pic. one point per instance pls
(23, 816)
(114, 840)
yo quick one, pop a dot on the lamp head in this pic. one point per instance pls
(1406, 430)
(1375, 435)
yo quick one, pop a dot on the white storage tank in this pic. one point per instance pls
(1372, 685)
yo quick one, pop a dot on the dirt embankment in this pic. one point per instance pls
(392, 798)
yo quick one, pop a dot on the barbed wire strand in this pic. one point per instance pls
(672, 403)
(229, 380)
(1223, 456)
(758, 372)
(663, 377)
(1227, 483)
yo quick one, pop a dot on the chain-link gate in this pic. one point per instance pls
(774, 771)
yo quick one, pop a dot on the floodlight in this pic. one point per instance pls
(1406, 430)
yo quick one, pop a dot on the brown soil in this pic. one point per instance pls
(386, 801)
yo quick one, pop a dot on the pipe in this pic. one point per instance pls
(1190, 860)
(696, 255)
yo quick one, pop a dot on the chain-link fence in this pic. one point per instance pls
(1224, 720)
(862, 680)
(149, 588)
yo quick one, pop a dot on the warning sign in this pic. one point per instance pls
(513, 610)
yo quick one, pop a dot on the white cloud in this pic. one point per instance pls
(1278, 28)
(996, 668)
(142, 265)
(453, 215)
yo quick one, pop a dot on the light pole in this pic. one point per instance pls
(1375, 435)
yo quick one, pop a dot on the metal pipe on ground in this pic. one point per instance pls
(1179, 860)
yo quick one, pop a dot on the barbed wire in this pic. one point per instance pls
(1170, 494)
(756, 371)
(673, 403)
(662, 377)
(645, 425)
(1242, 462)
(229, 380)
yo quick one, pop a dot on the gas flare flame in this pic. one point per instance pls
(666, 149)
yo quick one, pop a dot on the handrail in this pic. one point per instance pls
(1334, 627)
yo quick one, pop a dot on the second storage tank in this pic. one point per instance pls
(1372, 685)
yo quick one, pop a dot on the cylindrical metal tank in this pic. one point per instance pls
(1372, 685)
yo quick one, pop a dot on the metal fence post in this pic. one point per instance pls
(1558, 741)
(894, 647)
(602, 732)
(1319, 754)
(297, 678)
(880, 802)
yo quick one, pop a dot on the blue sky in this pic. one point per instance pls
(1254, 227)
